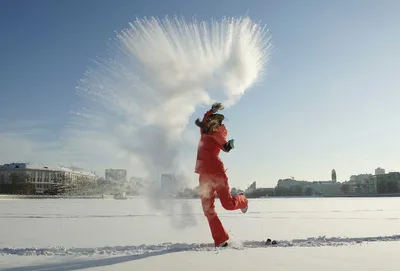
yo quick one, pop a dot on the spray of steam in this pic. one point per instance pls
(138, 101)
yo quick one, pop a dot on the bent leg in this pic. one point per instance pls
(207, 196)
(227, 201)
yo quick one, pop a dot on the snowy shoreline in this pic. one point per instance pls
(10, 197)
(321, 241)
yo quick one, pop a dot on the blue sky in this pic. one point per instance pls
(329, 99)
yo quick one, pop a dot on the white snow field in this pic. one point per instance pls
(313, 234)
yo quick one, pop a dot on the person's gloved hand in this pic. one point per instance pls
(217, 106)
(229, 145)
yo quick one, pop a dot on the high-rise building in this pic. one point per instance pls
(379, 171)
(333, 175)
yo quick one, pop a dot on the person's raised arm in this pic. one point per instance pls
(226, 146)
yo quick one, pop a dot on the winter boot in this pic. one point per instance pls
(224, 244)
(244, 210)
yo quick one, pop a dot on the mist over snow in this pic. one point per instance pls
(136, 103)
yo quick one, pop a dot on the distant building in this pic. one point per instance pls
(116, 176)
(379, 171)
(287, 183)
(333, 176)
(370, 185)
(363, 184)
(251, 188)
(360, 177)
(326, 188)
(42, 177)
(383, 180)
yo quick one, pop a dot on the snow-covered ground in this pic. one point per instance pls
(137, 234)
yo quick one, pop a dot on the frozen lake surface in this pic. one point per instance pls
(115, 234)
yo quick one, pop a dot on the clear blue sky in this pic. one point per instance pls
(329, 100)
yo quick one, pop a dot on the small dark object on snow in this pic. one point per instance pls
(269, 242)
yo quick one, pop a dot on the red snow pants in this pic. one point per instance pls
(210, 186)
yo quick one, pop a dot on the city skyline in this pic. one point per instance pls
(49, 179)
(120, 175)
(331, 86)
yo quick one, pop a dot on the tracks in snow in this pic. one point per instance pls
(165, 248)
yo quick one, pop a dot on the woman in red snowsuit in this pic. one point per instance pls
(212, 177)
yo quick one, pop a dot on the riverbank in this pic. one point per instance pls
(9, 197)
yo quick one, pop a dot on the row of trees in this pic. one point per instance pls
(387, 186)
(296, 190)
(18, 184)
(22, 184)
(383, 187)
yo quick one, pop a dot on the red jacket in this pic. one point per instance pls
(209, 147)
